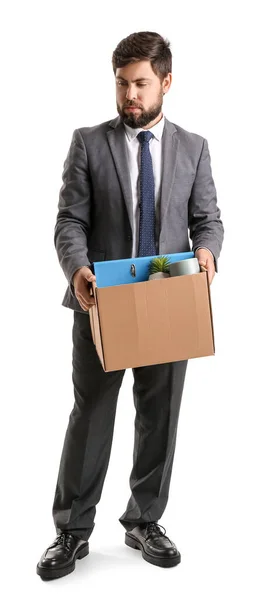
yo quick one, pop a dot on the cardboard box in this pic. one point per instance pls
(153, 322)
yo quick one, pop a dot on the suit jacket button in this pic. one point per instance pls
(129, 237)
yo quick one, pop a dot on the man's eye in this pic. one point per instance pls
(125, 83)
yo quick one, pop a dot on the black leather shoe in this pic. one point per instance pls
(59, 558)
(156, 547)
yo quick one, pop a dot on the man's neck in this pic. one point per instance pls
(154, 122)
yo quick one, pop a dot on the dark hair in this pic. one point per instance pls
(144, 45)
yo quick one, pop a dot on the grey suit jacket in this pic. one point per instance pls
(95, 212)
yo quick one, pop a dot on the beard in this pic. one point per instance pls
(142, 119)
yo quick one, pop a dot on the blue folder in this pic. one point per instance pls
(129, 270)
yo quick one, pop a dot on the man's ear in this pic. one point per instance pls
(167, 83)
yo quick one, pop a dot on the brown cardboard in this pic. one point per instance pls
(153, 322)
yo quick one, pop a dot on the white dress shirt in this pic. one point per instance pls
(134, 154)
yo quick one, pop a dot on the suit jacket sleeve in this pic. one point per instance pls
(73, 218)
(205, 224)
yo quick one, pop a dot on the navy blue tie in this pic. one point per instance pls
(147, 220)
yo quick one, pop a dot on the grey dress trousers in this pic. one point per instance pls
(157, 393)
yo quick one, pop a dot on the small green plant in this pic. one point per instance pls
(159, 264)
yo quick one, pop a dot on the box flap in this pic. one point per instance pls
(210, 304)
(95, 326)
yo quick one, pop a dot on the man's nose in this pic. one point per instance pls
(131, 93)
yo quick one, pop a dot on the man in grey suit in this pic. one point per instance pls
(132, 185)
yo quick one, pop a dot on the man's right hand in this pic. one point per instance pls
(82, 278)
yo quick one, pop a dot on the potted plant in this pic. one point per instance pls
(159, 267)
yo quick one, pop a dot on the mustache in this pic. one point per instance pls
(131, 105)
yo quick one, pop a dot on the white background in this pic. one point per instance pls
(57, 76)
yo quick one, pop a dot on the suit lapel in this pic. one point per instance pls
(170, 146)
(117, 143)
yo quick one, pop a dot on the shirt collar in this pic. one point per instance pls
(157, 130)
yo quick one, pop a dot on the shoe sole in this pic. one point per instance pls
(132, 542)
(48, 573)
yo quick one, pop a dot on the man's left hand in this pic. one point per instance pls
(206, 260)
